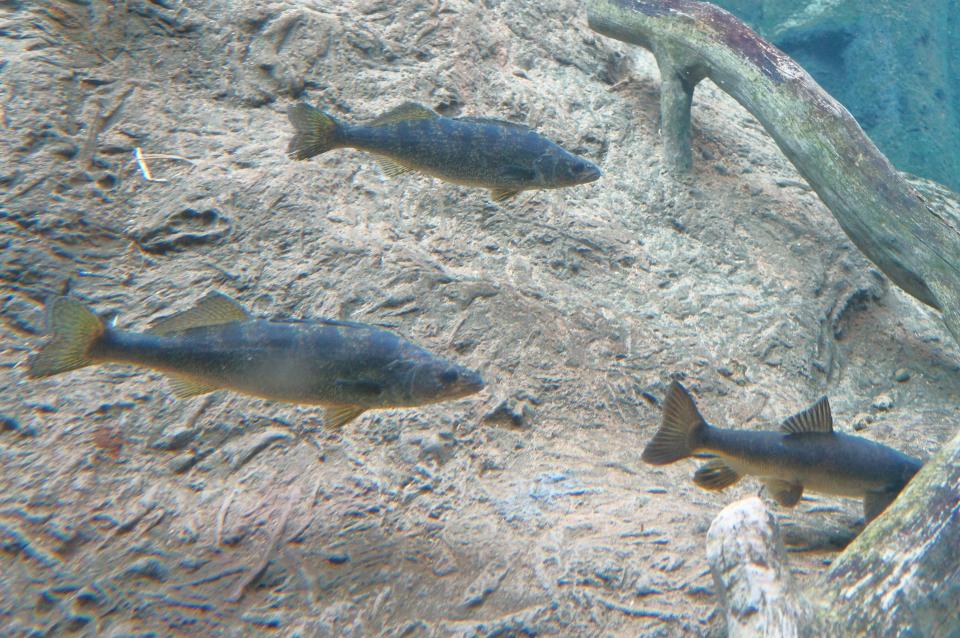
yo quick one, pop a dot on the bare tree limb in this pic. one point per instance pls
(753, 582)
(914, 240)
(901, 576)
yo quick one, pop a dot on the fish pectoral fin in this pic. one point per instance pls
(404, 113)
(361, 387)
(715, 475)
(335, 418)
(213, 310)
(784, 492)
(875, 502)
(516, 173)
(186, 387)
(816, 418)
(502, 194)
(390, 167)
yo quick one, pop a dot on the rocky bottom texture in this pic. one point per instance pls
(524, 510)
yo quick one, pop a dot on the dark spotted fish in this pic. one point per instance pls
(348, 367)
(505, 157)
(805, 455)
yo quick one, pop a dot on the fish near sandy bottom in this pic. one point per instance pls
(348, 367)
(805, 455)
(502, 156)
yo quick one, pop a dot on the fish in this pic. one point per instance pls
(502, 156)
(346, 367)
(806, 454)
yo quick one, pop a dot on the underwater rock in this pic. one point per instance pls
(244, 450)
(185, 229)
(175, 439)
(406, 509)
(756, 590)
(902, 375)
(512, 412)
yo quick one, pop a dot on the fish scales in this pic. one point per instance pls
(462, 152)
(849, 465)
(505, 157)
(348, 366)
(807, 454)
(291, 361)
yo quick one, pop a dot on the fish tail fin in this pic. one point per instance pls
(316, 132)
(681, 429)
(75, 328)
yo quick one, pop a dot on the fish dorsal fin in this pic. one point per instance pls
(494, 122)
(404, 113)
(186, 387)
(816, 418)
(335, 418)
(213, 310)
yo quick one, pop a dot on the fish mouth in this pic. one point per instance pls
(590, 174)
(470, 382)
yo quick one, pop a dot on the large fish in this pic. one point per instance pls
(348, 367)
(505, 157)
(805, 455)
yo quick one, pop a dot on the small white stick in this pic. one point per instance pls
(165, 156)
(144, 170)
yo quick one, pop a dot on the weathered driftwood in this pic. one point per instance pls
(754, 585)
(913, 239)
(899, 578)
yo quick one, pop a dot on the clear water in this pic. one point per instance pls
(894, 65)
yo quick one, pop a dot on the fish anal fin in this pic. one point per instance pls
(336, 418)
(786, 493)
(715, 475)
(212, 310)
(816, 418)
(391, 167)
(874, 502)
(186, 387)
(405, 112)
(502, 194)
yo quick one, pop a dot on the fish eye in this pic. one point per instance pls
(449, 376)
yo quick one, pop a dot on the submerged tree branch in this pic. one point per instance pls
(753, 582)
(914, 240)
(900, 577)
